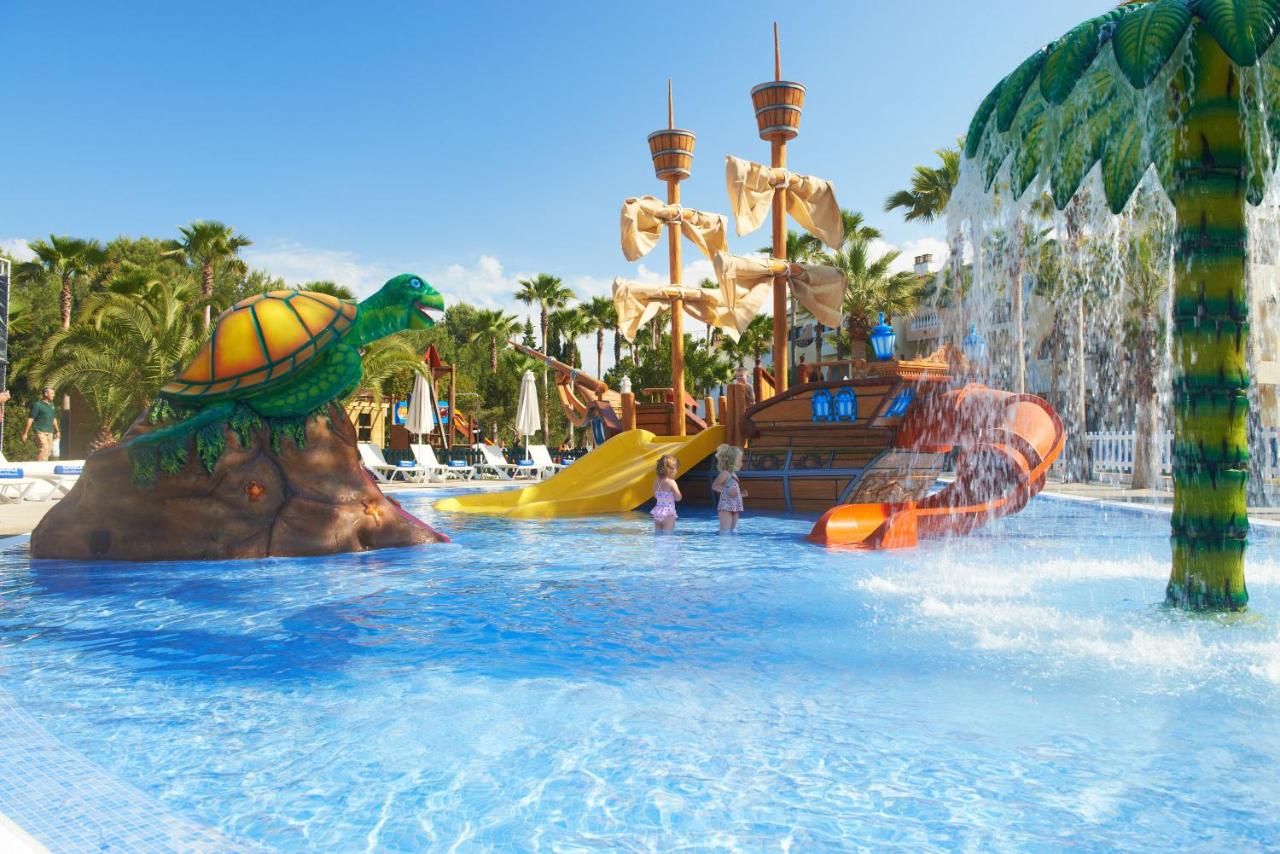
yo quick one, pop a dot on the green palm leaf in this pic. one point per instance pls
(1070, 56)
(1123, 164)
(1015, 88)
(1244, 28)
(1145, 39)
(980, 119)
(1033, 121)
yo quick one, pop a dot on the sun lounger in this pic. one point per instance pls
(382, 471)
(14, 485)
(542, 459)
(426, 457)
(496, 463)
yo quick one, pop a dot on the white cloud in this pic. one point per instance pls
(297, 264)
(909, 250)
(17, 248)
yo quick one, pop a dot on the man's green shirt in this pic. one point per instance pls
(42, 415)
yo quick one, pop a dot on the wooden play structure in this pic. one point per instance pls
(862, 443)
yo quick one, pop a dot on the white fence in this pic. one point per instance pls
(1111, 452)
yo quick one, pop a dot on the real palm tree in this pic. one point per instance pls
(326, 287)
(931, 188)
(204, 244)
(394, 356)
(495, 327)
(871, 285)
(129, 340)
(69, 259)
(603, 317)
(548, 293)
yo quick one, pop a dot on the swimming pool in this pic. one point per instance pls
(579, 683)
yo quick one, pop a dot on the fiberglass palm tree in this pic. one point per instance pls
(69, 259)
(1160, 84)
(204, 244)
(548, 293)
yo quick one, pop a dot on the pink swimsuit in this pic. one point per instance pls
(665, 507)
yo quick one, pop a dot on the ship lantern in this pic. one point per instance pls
(883, 339)
(975, 346)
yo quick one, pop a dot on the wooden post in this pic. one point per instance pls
(722, 414)
(677, 305)
(453, 412)
(677, 315)
(778, 160)
(710, 406)
(628, 411)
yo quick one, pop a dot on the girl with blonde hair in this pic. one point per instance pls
(728, 461)
(665, 495)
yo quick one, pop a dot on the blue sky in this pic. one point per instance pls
(472, 143)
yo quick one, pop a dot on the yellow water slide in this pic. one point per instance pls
(614, 478)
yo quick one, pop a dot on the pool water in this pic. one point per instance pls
(577, 684)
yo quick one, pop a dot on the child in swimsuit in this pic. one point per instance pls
(666, 494)
(728, 461)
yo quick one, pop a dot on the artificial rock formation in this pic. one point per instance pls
(263, 498)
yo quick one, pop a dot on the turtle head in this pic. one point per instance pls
(404, 302)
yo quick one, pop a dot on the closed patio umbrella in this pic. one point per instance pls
(527, 418)
(421, 417)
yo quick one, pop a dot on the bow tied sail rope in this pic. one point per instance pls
(819, 288)
(637, 303)
(644, 218)
(810, 201)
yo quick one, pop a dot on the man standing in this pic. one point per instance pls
(45, 419)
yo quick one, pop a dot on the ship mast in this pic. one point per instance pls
(672, 151)
(778, 105)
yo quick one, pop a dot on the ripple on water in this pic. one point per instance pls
(577, 683)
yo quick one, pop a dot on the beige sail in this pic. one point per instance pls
(811, 201)
(819, 288)
(644, 218)
(638, 302)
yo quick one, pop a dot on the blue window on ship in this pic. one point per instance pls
(901, 403)
(846, 405)
(821, 404)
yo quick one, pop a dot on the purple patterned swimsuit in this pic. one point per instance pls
(665, 507)
(731, 496)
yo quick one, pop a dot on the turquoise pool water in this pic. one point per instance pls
(580, 684)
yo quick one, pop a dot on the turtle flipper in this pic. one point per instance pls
(165, 448)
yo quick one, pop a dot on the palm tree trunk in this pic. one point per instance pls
(1019, 327)
(1210, 338)
(64, 299)
(493, 355)
(206, 291)
(1079, 461)
(546, 424)
(1145, 454)
(600, 353)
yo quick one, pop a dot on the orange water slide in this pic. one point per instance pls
(1005, 444)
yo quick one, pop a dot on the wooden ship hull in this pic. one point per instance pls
(824, 443)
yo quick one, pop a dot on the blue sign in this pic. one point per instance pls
(399, 412)
(442, 413)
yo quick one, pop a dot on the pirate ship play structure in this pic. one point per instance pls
(862, 442)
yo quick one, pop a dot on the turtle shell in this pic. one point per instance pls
(261, 339)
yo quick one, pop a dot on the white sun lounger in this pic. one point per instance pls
(382, 471)
(542, 459)
(426, 457)
(14, 484)
(497, 464)
(59, 475)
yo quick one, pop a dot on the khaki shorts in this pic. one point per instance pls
(44, 445)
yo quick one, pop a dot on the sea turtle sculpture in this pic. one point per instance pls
(283, 355)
